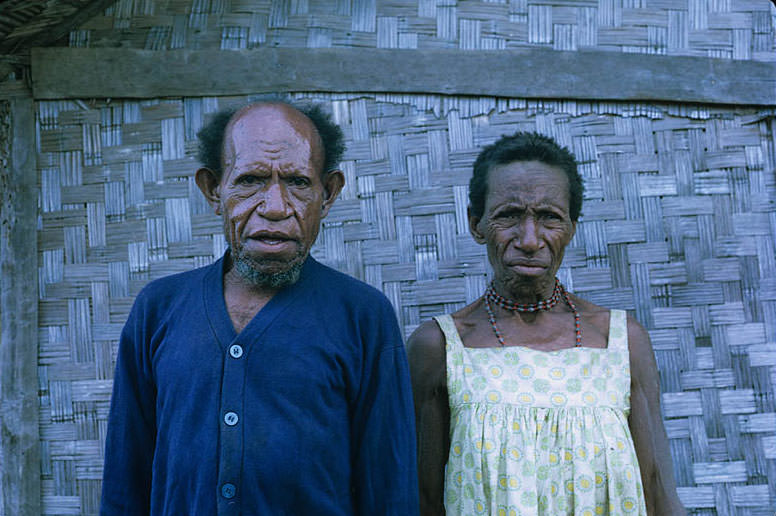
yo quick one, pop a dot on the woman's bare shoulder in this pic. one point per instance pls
(467, 318)
(428, 338)
(593, 314)
(426, 357)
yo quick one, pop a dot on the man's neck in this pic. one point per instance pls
(244, 301)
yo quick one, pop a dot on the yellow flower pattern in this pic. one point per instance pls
(541, 433)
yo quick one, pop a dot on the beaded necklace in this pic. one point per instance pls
(491, 296)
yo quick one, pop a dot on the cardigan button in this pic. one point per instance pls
(230, 418)
(236, 351)
(228, 490)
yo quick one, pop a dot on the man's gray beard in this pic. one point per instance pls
(248, 269)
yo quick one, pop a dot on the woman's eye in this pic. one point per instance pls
(248, 180)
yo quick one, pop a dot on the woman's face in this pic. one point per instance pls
(526, 223)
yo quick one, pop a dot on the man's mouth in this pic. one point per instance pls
(270, 235)
(271, 238)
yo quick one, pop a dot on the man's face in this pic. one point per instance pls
(526, 223)
(271, 195)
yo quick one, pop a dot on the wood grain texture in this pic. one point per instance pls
(60, 73)
(20, 484)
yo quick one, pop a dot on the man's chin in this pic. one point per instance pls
(271, 277)
(268, 273)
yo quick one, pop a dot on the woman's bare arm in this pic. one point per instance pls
(646, 425)
(426, 355)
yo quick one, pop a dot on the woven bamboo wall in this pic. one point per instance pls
(678, 224)
(737, 29)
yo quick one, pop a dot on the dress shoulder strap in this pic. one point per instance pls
(447, 325)
(618, 330)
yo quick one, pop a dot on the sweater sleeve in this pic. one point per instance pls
(131, 434)
(383, 427)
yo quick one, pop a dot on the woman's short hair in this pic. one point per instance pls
(524, 146)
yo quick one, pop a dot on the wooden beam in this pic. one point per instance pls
(60, 73)
(19, 436)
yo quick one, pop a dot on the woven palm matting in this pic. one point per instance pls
(678, 224)
(734, 29)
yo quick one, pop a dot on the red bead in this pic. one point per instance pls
(548, 304)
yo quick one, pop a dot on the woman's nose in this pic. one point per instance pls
(528, 235)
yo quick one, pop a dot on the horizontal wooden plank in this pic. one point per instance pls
(60, 73)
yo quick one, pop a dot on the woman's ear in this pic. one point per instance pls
(573, 230)
(474, 223)
(210, 186)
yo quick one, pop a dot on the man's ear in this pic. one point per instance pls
(210, 186)
(474, 222)
(333, 182)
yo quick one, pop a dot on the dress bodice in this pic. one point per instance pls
(538, 432)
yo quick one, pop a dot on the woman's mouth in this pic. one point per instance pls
(527, 267)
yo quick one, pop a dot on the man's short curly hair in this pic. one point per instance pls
(211, 137)
(524, 146)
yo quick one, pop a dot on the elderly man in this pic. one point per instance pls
(266, 383)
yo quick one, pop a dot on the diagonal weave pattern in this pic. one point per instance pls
(26, 23)
(678, 224)
(731, 29)
(677, 227)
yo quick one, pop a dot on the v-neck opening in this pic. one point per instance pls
(218, 313)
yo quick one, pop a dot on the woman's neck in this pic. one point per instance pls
(524, 292)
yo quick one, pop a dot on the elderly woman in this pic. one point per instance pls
(532, 400)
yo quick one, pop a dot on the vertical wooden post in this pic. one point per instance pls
(19, 434)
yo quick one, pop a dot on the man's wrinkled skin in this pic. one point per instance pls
(272, 196)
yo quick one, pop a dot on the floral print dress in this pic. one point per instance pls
(541, 433)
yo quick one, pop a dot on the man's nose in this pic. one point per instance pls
(528, 236)
(275, 203)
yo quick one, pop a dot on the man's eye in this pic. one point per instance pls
(298, 181)
(511, 214)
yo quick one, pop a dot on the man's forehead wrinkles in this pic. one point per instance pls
(256, 151)
(264, 165)
(276, 145)
(248, 158)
